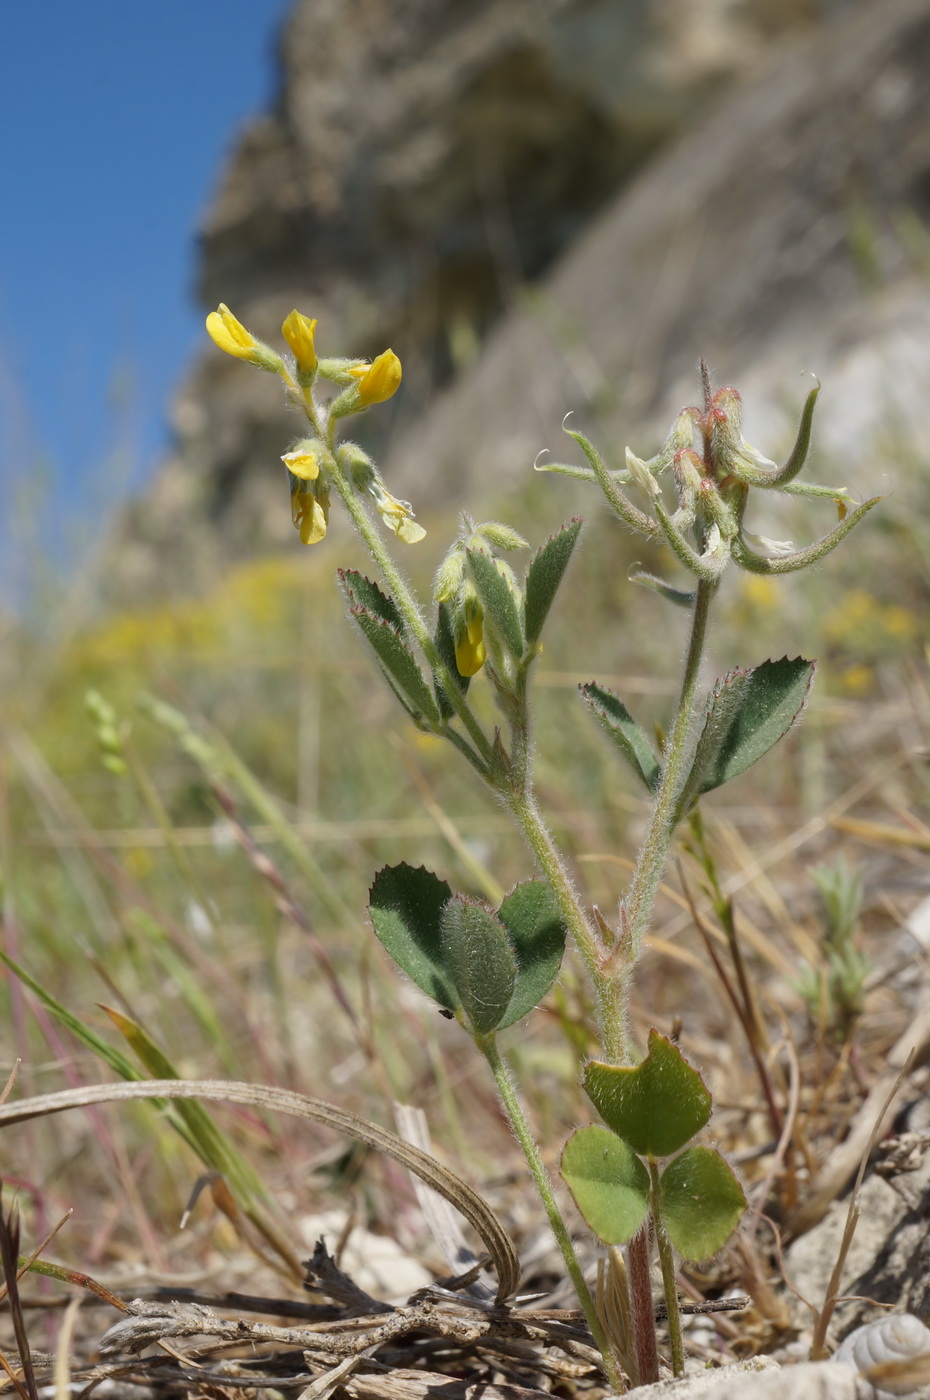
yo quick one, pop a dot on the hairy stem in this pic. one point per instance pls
(612, 1011)
(640, 900)
(408, 606)
(644, 1322)
(521, 1130)
(667, 1265)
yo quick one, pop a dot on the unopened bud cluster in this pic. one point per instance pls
(713, 468)
(311, 461)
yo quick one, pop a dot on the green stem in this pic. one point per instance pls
(667, 1265)
(407, 605)
(612, 1011)
(513, 1109)
(640, 900)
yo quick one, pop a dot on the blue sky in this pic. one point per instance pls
(116, 116)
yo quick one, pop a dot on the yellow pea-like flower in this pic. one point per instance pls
(310, 514)
(380, 380)
(302, 463)
(470, 650)
(299, 333)
(397, 514)
(231, 335)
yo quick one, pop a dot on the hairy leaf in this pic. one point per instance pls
(498, 601)
(658, 1105)
(619, 725)
(608, 1181)
(480, 960)
(406, 907)
(701, 1202)
(544, 576)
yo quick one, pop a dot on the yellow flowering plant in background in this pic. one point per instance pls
(640, 1182)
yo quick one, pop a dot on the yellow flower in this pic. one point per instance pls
(397, 514)
(231, 335)
(378, 381)
(470, 650)
(298, 331)
(310, 512)
(302, 462)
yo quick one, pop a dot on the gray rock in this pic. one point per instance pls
(810, 1381)
(425, 159)
(889, 1261)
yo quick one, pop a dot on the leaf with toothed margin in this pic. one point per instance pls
(359, 591)
(537, 934)
(619, 725)
(406, 907)
(747, 713)
(657, 1105)
(544, 576)
(398, 661)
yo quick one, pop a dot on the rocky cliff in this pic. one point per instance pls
(554, 204)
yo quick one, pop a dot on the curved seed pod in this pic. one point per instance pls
(889, 1344)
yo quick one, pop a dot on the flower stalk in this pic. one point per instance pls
(488, 623)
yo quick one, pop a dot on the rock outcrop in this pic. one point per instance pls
(428, 162)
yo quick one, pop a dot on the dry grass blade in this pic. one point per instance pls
(868, 1124)
(434, 1173)
(9, 1251)
(62, 1355)
(818, 1342)
(444, 1225)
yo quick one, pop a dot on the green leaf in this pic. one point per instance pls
(620, 726)
(567, 469)
(480, 960)
(544, 576)
(748, 712)
(445, 645)
(678, 596)
(398, 661)
(359, 591)
(117, 1061)
(657, 1106)
(211, 1144)
(537, 935)
(701, 1202)
(608, 1181)
(500, 606)
(199, 1132)
(406, 910)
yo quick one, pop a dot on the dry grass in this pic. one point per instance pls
(215, 897)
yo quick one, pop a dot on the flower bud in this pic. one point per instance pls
(231, 335)
(450, 575)
(641, 474)
(378, 381)
(470, 650)
(298, 331)
(357, 464)
(502, 536)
